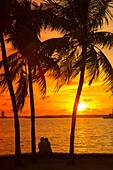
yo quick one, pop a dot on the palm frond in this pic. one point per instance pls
(99, 12)
(69, 69)
(1, 64)
(92, 65)
(22, 38)
(21, 91)
(12, 57)
(58, 15)
(50, 65)
(39, 78)
(15, 70)
(107, 70)
(3, 83)
(105, 39)
(55, 44)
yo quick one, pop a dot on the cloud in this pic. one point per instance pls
(88, 100)
(72, 83)
(4, 104)
(49, 111)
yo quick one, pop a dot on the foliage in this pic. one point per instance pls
(82, 20)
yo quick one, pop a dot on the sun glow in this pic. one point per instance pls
(82, 106)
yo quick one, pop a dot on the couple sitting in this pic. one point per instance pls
(44, 146)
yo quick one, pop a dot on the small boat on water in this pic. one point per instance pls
(109, 116)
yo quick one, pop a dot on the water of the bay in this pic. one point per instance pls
(93, 135)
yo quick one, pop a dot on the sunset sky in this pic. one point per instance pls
(94, 99)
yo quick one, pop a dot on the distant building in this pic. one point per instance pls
(2, 114)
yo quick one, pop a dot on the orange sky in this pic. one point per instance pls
(97, 100)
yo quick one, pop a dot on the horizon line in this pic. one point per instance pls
(59, 116)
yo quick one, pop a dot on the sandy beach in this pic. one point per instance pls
(59, 161)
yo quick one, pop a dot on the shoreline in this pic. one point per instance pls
(58, 116)
(59, 161)
(55, 154)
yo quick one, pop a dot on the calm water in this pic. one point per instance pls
(93, 135)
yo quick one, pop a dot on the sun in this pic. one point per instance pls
(82, 106)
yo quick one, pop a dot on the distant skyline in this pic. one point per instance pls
(94, 98)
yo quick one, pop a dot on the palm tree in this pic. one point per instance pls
(24, 35)
(4, 20)
(24, 39)
(80, 22)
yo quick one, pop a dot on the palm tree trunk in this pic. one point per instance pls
(18, 160)
(33, 141)
(73, 123)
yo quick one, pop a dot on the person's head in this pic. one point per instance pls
(46, 139)
(42, 138)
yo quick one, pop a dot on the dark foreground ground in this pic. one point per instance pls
(58, 161)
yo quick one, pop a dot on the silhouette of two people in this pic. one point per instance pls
(44, 146)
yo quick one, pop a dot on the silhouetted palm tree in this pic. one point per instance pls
(24, 38)
(80, 22)
(4, 21)
(24, 35)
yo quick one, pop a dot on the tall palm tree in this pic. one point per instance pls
(4, 21)
(80, 22)
(24, 35)
(24, 39)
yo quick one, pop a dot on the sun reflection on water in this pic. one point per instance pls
(93, 135)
